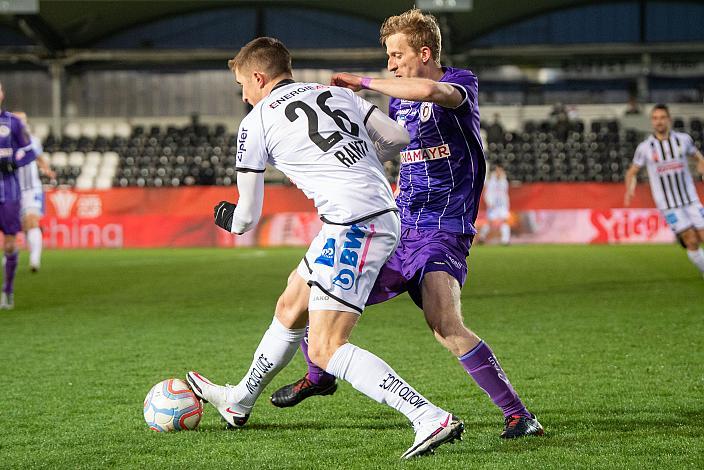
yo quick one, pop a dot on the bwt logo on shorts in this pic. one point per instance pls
(349, 256)
(327, 255)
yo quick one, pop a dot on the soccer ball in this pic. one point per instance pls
(171, 406)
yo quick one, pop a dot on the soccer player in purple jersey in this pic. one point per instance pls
(441, 179)
(15, 151)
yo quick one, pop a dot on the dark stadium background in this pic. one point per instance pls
(138, 116)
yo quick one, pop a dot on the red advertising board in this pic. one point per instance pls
(173, 217)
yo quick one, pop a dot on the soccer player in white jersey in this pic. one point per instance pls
(497, 205)
(329, 142)
(33, 198)
(665, 153)
(440, 182)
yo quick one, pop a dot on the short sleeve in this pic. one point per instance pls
(364, 107)
(251, 147)
(468, 86)
(19, 133)
(688, 146)
(641, 156)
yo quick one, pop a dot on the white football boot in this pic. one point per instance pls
(7, 301)
(434, 433)
(234, 414)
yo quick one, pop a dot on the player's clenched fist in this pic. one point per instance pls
(347, 80)
(223, 213)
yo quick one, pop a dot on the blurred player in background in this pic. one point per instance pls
(330, 143)
(15, 151)
(497, 205)
(665, 153)
(441, 178)
(33, 198)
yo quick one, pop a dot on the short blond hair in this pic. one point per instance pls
(268, 55)
(421, 29)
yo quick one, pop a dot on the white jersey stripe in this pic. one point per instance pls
(471, 161)
(452, 176)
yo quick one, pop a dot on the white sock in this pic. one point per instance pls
(34, 242)
(505, 233)
(697, 258)
(373, 377)
(275, 350)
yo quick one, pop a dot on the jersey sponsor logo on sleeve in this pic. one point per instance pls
(327, 255)
(241, 149)
(426, 154)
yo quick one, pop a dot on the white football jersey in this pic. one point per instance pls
(496, 192)
(315, 134)
(28, 175)
(668, 169)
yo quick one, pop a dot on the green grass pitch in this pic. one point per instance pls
(604, 344)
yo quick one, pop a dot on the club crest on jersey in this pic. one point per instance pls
(349, 256)
(327, 255)
(4, 131)
(426, 110)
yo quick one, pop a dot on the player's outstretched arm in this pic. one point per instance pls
(412, 89)
(630, 181)
(243, 216)
(388, 137)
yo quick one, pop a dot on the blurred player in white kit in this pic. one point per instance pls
(665, 153)
(497, 205)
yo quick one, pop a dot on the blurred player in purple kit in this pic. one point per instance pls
(15, 151)
(441, 179)
(33, 198)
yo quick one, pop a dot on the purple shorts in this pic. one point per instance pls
(10, 222)
(420, 252)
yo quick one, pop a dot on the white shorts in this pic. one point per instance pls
(343, 262)
(497, 213)
(32, 202)
(683, 218)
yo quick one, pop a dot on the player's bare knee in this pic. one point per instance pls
(320, 350)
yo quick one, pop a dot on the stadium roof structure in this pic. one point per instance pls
(70, 30)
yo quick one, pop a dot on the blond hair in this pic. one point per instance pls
(421, 30)
(267, 55)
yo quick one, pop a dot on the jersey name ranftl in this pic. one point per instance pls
(668, 169)
(443, 168)
(316, 135)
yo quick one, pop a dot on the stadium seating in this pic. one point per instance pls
(104, 155)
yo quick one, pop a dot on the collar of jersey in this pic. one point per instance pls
(282, 83)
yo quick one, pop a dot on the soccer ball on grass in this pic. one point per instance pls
(171, 406)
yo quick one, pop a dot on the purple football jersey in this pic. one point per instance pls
(443, 167)
(14, 145)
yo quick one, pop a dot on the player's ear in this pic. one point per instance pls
(261, 79)
(425, 54)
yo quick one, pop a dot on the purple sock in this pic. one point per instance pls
(315, 374)
(8, 285)
(485, 369)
